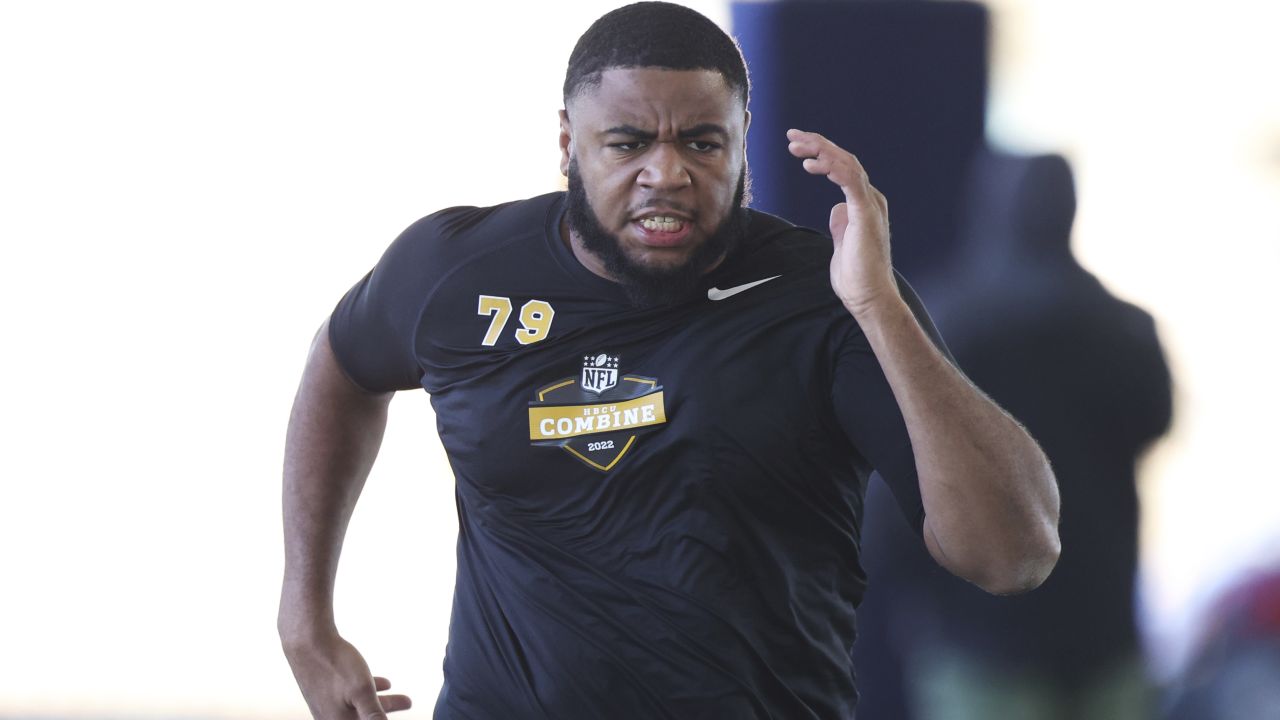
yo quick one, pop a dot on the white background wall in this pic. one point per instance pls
(187, 188)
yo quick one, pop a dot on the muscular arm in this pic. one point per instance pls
(990, 498)
(334, 434)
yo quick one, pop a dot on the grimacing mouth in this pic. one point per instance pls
(662, 223)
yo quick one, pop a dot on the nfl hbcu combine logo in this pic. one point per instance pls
(597, 415)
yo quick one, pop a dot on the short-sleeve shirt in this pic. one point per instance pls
(659, 508)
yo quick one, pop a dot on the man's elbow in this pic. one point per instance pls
(1025, 568)
(1000, 564)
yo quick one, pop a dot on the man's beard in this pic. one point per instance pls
(650, 286)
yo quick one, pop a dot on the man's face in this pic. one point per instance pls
(657, 167)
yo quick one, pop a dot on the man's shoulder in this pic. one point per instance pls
(485, 225)
(438, 245)
(774, 239)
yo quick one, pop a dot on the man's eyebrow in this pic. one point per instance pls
(631, 131)
(695, 131)
(705, 129)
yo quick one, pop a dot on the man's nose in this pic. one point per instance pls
(664, 168)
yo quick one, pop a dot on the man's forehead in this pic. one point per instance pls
(636, 93)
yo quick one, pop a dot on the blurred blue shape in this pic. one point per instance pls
(902, 85)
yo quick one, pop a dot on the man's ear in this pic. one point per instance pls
(746, 125)
(566, 143)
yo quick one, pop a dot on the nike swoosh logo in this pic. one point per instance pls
(718, 294)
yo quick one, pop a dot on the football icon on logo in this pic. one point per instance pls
(601, 359)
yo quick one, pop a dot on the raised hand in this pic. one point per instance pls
(861, 271)
(337, 684)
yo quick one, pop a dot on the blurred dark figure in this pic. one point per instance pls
(1085, 372)
(1235, 675)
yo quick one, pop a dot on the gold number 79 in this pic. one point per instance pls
(535, 319)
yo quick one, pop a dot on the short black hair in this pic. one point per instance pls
(658, 35)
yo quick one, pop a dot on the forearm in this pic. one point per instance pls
(335, 430)
(990, 498)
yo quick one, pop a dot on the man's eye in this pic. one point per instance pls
(628, 146)
(703, 145)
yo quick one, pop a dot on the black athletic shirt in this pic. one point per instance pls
(659, 509)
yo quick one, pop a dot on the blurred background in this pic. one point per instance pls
(186, 189)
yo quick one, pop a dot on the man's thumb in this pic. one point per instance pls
(839, 220)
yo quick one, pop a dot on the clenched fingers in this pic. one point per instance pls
(390, 703)
(394, 703)
(371, 706)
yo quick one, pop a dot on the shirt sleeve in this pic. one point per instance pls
(374, 328)
(869, 415)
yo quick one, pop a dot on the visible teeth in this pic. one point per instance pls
(662, 223)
